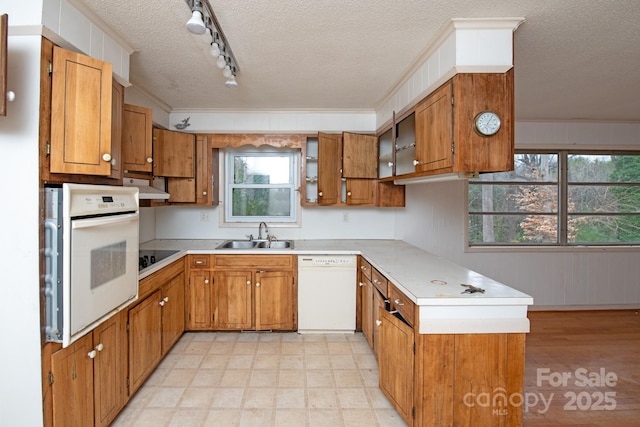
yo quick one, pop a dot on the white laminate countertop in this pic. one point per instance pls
(431, 282)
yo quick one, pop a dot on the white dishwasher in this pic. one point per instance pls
(326, 293)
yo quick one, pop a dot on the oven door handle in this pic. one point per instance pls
(108, 220)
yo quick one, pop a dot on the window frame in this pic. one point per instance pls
(294, 197)
(562, 214)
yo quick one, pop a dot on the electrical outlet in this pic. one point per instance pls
(204, 216)
(345, 217)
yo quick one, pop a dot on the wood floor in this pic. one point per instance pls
(583, 369)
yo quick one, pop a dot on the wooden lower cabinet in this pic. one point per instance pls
(88, 377)
(452, 370)
(242, 292)
(156, 322)
(395, 362)
(232, 299)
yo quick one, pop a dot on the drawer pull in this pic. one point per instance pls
(378, 322)
(360, 284)
(92, 354)
(199, 262)
(397, 302)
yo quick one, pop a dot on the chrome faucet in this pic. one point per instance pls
(260, 230)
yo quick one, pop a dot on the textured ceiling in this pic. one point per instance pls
(574, 59)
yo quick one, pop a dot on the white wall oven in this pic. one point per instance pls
(91, 256)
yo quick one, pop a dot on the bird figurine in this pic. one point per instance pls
(183, 124)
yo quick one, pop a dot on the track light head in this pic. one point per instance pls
(231, 82)
(196, 25)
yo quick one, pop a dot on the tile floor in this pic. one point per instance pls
(263, 379)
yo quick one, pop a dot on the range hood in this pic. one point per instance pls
(146, 192)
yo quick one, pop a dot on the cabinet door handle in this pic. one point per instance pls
(378, 322)
(360, 284)
(416, 162)
(257, 284)
(363, 268)
(106, 157)
(397, 302)
(92, 354)
(100, 347)
(376, 281)
(319, 193)
(348, 193)
(206, 281)
(162, 303)
(149, 159)
(166, 299)
(248, 282)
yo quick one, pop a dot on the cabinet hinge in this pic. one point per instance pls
(413, 412)
(128, 382)
(414, 348)
(50, 378)
(453, 101)
(47, 148)
(453, 150)
(127, 326)
(50, 68)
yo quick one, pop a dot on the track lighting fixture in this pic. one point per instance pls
(202, 21)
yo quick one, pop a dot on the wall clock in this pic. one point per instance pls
(486, 123)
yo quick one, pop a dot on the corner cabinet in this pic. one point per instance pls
(81, 111)
(342, 170)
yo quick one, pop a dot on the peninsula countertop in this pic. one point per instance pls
(433, 283)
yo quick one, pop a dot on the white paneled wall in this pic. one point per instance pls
(276, 121)
(435, 220)
(317, 223)
(79, 28)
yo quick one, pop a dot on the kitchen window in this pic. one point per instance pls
(558, 198)
(261, 185)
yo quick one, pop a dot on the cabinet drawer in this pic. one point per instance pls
(254, 261)
(404, 305)
(365, 268)
(199, 261)
(380, 282)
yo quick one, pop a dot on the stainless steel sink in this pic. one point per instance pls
(276, 244)
(256, 244)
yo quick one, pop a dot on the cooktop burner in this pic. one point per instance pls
(148, 257)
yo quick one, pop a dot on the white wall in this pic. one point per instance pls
(317, 223)
(434, 220)
(20, 361)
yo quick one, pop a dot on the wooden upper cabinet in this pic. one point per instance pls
(329, 168)
(137, 142)
(446, 140)
(473, 94)
(80, 114)
(434, 141)
(359, 156)
(117, 118)
(174, 154)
